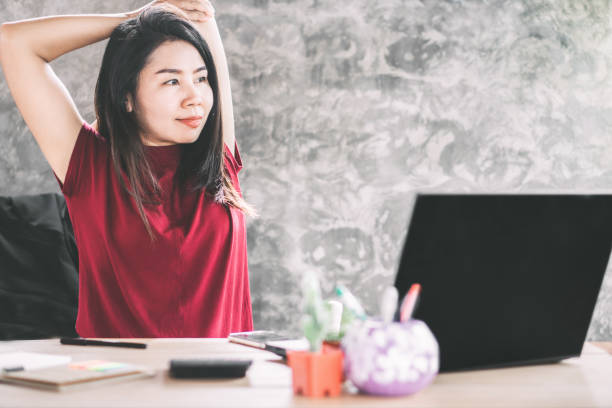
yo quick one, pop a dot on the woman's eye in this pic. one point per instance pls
(176, 82)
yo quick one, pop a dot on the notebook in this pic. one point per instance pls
(507, 279)
(30, 361)
(77, 375)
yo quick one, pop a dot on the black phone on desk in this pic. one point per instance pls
(208, 368)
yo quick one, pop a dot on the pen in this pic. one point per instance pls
(409, 302)
(79, 341)
(13, 369)
(350, 301)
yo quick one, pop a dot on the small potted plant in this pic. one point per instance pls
(317, 372)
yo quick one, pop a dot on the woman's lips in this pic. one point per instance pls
(193, 122)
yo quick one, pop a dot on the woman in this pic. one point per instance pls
(151, 185)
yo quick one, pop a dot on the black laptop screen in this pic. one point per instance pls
(507, 279)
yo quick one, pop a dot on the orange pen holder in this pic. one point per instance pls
(316, 374)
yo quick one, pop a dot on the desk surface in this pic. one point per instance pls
(583, 381)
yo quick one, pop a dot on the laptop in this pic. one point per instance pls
(506, 279)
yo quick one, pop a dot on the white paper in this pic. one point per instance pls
(31, 361)
(293, 344)
(269, 374)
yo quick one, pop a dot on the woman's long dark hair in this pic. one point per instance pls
(201, 164)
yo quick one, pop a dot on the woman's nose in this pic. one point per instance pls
(192, 95)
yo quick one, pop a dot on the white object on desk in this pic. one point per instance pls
(269, 374)
(296, 344)
(31, 361)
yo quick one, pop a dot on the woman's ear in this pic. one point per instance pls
(129, 104)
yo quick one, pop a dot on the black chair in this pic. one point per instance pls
(38, 268)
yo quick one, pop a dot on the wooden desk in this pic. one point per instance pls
(584, 381)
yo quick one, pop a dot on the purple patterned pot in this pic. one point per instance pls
(390, 358)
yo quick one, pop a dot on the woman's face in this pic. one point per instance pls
(173, 97)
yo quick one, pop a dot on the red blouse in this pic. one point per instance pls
(192, 281)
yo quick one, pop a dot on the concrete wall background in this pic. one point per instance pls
(346, 108)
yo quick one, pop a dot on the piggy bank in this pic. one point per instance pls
(390, 358)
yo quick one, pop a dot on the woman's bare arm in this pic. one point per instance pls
(26, 48)
(209, 30)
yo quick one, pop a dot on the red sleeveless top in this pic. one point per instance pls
(192, 281)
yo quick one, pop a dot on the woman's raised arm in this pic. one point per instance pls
(210, 32)
(26, 48)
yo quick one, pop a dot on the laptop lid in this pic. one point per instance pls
(507, 279)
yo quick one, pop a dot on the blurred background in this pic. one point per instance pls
(346, 108)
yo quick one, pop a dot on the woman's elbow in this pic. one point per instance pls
(4, 39)
(7, 40)
(4, 32)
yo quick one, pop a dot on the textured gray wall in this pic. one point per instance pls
(346, 108)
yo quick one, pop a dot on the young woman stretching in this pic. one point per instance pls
(151, 185)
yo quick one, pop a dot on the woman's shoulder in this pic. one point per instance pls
(88, 154)
(92, 128)
(233, 158)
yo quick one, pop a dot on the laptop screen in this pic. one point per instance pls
(507, 279)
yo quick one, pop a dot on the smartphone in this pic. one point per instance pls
(269, 340)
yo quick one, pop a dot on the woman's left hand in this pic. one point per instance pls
(194, 10)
